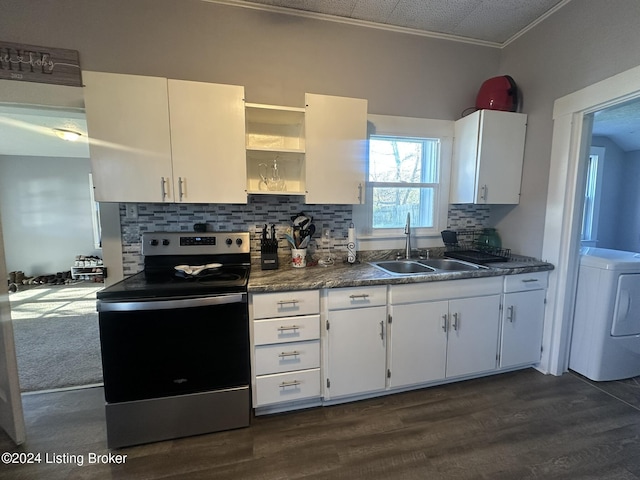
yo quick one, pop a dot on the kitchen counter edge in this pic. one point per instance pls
(341, 275)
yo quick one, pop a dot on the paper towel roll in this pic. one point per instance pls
(351, 244)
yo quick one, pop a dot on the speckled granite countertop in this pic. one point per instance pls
(341, 274)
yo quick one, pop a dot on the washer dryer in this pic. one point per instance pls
(605, 343)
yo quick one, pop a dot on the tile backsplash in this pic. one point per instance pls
(172, 217)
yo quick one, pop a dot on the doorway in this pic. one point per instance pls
(610, 218)
(571, 135)
(48, 224)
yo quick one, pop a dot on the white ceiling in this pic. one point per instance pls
(483, 21)
(621, 124)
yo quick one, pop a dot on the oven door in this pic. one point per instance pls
(161, 348)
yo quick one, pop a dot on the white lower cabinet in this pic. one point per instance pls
(418, 343)
(472, 340)
(356, 338)
(431, 338)
(285, 341)
(522, 319)
(366, 341)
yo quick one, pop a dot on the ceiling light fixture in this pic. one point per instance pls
(68, 135)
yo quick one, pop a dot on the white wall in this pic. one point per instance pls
(629, 226)
(277, 58)
(46, 213)
(583, 43)
(611, 212)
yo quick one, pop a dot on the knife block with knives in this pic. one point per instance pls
(269, 249)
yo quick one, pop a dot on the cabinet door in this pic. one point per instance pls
(418, 343)
(487, 158)
(336, 134)
(473, 335)
(465, 156)
(207, 142)
(357, 351)
(500, 157)
(130, 142)
(522, 323)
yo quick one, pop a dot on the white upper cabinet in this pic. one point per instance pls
(159, 140)
(207, 142)
(487, 158)
(130, 140)
(336, 134)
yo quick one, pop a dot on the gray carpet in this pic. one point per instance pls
(56, 336)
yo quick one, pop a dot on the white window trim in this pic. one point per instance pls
(421, 237)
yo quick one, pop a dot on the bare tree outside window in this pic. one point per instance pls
(403, 178)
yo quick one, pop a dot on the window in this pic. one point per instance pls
(95, 216)
(403, 178)
(591, 204)
(407, 171)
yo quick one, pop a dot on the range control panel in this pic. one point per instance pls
(187, 243)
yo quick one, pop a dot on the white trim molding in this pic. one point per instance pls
(564, 209)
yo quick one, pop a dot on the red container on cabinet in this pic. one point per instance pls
(498, 93)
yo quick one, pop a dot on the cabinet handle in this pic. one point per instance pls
(529, 280)
(295, 353)
(282, 303)
(483, 193)
(293, 383)
(382, 330)
(360, 193)
(444, 322)
(360, 295)
(290, 327)
(511, 314)
(180, 193)
(162, 189)
(455, 321)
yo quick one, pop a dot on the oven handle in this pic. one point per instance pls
(171, 304)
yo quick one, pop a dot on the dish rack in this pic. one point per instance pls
(466, 245)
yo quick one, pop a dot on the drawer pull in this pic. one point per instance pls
(295, 353)
(287, 302)
(529, 280)
(510, 314)
(284, 328)
(293, 383)
(360, 295)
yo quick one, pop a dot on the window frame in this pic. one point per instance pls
(591, 211)
(410, 128)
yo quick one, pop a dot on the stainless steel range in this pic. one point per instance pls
(175, 339)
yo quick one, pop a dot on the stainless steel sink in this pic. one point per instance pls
(403, 267)
(450, 264)
(418, 267)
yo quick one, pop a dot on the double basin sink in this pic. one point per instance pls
(427, 266)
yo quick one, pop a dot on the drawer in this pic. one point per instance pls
(285, 304)
(286, 329)
(445, 290)
(525, 281)
(341, 298)
(286, 387)
(287, 357)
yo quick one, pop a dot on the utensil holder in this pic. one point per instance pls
(269, 254)
(298, 257)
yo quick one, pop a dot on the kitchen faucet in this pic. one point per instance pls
(407, 232)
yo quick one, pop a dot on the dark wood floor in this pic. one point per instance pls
(513, 426)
